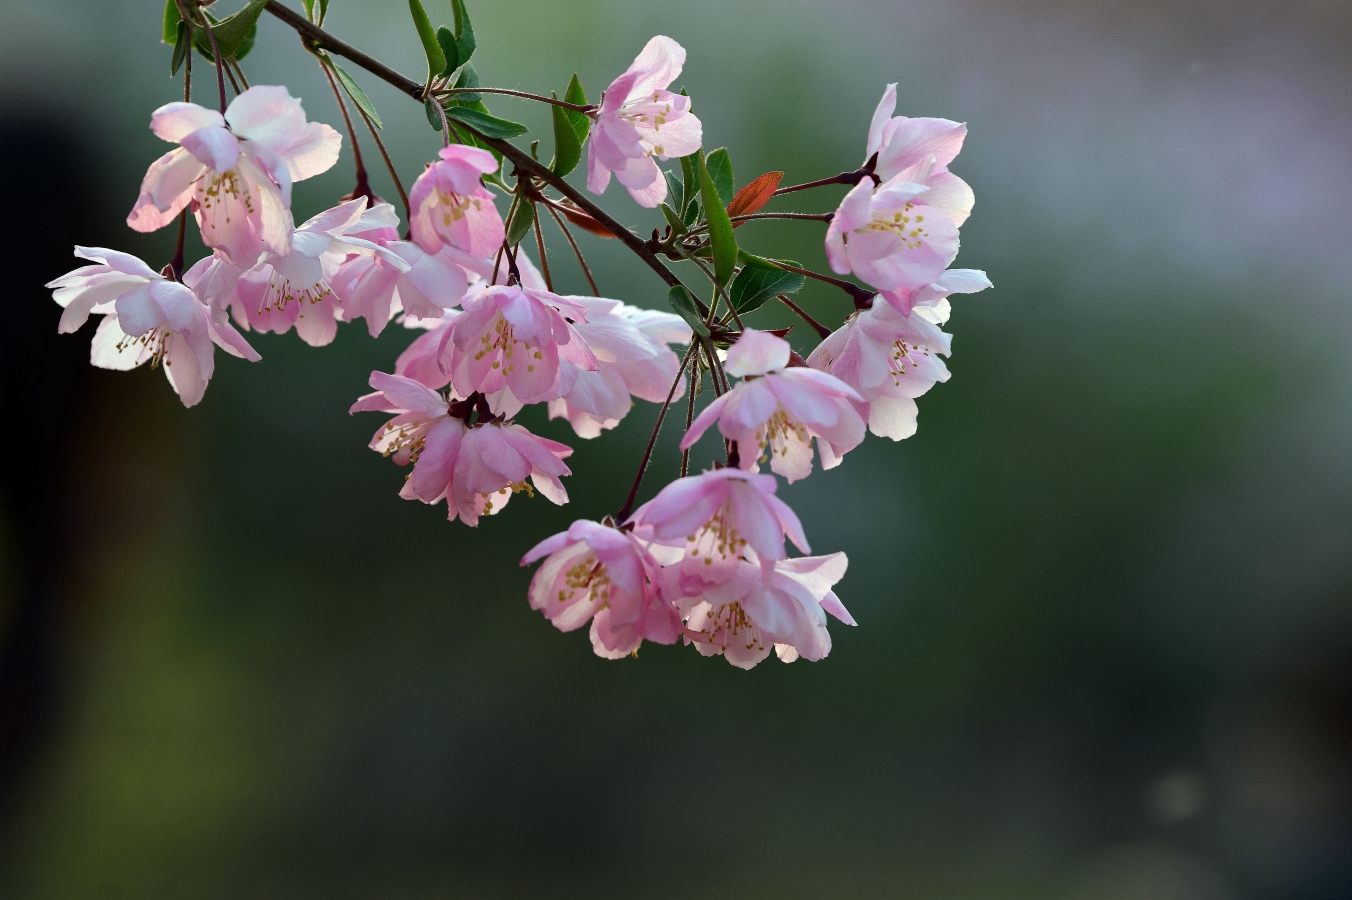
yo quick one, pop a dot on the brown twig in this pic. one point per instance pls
(821, 329)
(586, 110)
(628, 507)
(581, 261)
(863, 297)
(544, 257)
(363, 188)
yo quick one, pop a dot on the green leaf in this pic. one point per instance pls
(581, 121)
(491, 126)
(692, 212)
(232, 31)
(169, 34)
(359, 96)
(323, 10)
(446, 39)
(309, 9)
(181, 45)
(683, 302)
(689, 181)
(673, 191)
(522, 218)
(673, 220)
(761, 279)
(721, 237)
(464, 32)
(247, 44)
(436, 60)
(469, 78)
(567, 147)
(720, 170)
(434, 117)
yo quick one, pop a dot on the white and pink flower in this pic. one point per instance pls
(494, 462)
(422, 434)
(235, 169)
(905, 145)
(640, 119)
(451, 206)
(776, 412)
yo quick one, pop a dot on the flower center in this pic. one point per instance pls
(281, 292)
(589, 579)
(454, 207)
(905, 356)
(717, 538)
(216, 194)
(906, 223)
(778, 431)
(152, 341)
(730, 625)
(501, 341)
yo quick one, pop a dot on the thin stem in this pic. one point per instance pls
(220, 64)
(363, 188)
(591, 108)
(176, 264)
(722, 292)
(563, 226)
(544, 257)
(398, 185)
(187, 70)
(821, 329)
(319, 38)
(858, 175)
(738, 220)
(863, 297)
(239, 70)
(628, 507)
(690, 408)
(230, 73)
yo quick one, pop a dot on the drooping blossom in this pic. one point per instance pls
(906, 145)
(373, 288)
(639, 119)
(422, 433)
(778, 411)
(784, 609)
(890, 237)
(494, 462)
(450, 204)
(891, 358)
(146, 318)
(605, 575)
(292, 288)
(508, 344)
(630, 345)
(236, 169)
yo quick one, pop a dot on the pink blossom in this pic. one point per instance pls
(451, 206)
(236, 169)
(779, 410)
(630, 345)
(890, 237)
(146, 318)
(891, 358)
(785, 608)
(494, 462)
(905, 145)
(422, 433)
(599, 573)
(292, 288)
(508, 344)
(639, 119)
(419, 360)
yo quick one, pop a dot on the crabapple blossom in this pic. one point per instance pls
(639, 119)
(630, 345)
(890, 237)
(512, 337)
(785, 608)
(606, 575)
(147, 317)
(376, 289)
(905, 144)
(422, 433)
(450, 205)
(494, 462)
(778, 411)
(235, 169)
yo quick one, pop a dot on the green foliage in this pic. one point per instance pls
(469, 78)
(464, 32)
(181, 44)
(761, 279)
(683, 302)
(169, 33)
(436, 60)
(356, 93)
(310, 10)
(581, 122)
(234, 34)
(446, 39)
(721, 238)
(486, 125)
(673, 220)
(567, 145)
(433, 117)
(720, 170)
(523, 216)
(674, 192)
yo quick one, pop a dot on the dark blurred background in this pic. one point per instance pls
(1103, 594)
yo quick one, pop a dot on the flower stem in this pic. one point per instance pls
(363, 188)
(220, 63)
(581, 261)
(628, 507)
(394, 175)
(851, 178)
(821, 329)
(591, 108)
(863, 297)
(544, 257)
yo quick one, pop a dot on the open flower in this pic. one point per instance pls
(374, 288)
(778, 411)
(891, 357)
(630, 345)
(146, 318)
(605, 575)
(494, 462)
(237, 169)
(422, 433)
(890, 237)
(508, 344)
(785, 609)
(639, 119)
(450, 204)
(904, 145)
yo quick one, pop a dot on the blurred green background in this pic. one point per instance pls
(1103, 594)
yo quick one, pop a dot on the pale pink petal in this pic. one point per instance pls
(757, 352)
(214, 147)
(165, 190)
(174, 121)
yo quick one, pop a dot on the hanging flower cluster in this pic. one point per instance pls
(704, 561)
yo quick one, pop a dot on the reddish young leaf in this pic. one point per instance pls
(755, 195)
(584, 221)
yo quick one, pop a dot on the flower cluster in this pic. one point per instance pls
(705, 560)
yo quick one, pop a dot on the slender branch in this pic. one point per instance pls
(628, 507)
(230, 73)
(563, 226)
(319, 38)
(176, 264)
(863, 297)
(821, 329)
(187, 70)
(363, 188)
(722, 292)
(239, 70)
(738, 220)
(690, 407)
(588, 109)
(858, 175)
(544, 257)
(380, 145)
(220, 64)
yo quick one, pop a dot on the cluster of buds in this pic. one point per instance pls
(705, 560)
